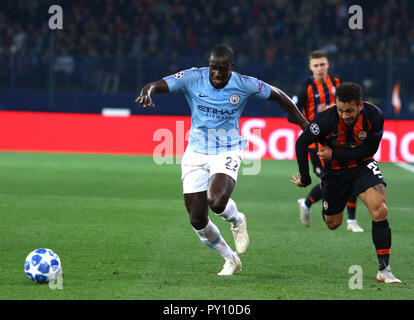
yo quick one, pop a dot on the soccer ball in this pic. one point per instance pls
(42, 266)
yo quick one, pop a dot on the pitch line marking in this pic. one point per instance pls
(405, 166)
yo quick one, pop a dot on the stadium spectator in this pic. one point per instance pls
(186, 28)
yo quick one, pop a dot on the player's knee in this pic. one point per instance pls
(217, 204)
(198, 222)
(217, 207)
(332, 225)
(380, 212)
(332, 222)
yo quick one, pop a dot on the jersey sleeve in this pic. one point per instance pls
(180, 81)
(316, 131)
(256, 88)
(311, 134)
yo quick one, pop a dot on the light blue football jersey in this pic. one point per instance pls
(215, 113)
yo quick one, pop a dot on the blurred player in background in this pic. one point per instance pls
(217, 96)
(317, 93)
(349, 134)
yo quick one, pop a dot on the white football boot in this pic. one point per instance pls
(240, 235)
(352, 225)
(305, 212)
(386, 276)
(231, 266)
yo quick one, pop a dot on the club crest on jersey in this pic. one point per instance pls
(314, 128)
(325, 205)
(234, 99)
(178, 75)
(362, 135)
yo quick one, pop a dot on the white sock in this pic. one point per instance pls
(231, 214)
(210, 236)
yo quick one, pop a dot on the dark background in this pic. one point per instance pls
(109, 49)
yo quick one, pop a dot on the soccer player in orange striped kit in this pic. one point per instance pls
(349, 134)
(318, 92)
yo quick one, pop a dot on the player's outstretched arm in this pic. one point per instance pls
(303, 178)
(149, 90)
(287, 104)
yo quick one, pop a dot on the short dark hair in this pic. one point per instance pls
(222, 52)
(348, 92)
(317, 54)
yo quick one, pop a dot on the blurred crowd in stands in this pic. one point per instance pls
(111, 45)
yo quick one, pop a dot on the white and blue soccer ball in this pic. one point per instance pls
(42, 266)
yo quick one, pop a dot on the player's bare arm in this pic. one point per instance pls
(149, 90)
(287, 104)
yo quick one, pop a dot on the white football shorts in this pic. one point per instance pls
(197, 168)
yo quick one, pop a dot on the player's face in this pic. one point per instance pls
(219, 72)
(319, 68)
(348, 111)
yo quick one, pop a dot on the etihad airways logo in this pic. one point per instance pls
(218, 113)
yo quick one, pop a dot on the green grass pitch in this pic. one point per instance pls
(119, 225)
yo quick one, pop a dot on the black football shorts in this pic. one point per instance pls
(339, 185)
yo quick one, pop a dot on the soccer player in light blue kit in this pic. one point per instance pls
(217, 96)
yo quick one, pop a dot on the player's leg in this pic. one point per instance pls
(218, 198)
(314, 195)
(336, 190)
(333, 221)
(371, 190)
(195, 184)
(305, 204)
(223, 176)
(197, 208)
(219, 192)
(209, 234)
(352, 223)
(351, 207)
(207, 231)
(374, 199)
(220, 188)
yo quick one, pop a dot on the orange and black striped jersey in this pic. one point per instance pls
(313, 93)
(351, 146)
